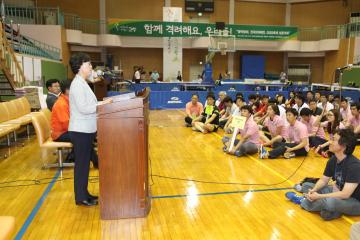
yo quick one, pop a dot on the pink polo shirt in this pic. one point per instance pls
(355, 121)
(252, 129)
(277, 122)
(346, 114)
(312, 128)
(194, 110)
(297, 132)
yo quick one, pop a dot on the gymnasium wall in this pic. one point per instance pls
(150, 58)
(335, 59)
(317, 14)
(317, 66)
(82, 8)
(259, 13)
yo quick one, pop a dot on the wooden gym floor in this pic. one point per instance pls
(180, 209)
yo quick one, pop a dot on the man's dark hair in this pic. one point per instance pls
(272, 101)
(343, 99)
(310, 92)
(210, 95)
(323, 95)
(312, 100)
(293, 111)
(77, 60)
(355, 104)
(275, 108)
(300, 97)
(65, 85)
(241, 98)
(239, 94)
(227, 99)
(264, 96)
(248, 108)
(252, 97)
(347, 139)
(305, 112)
(50, 82)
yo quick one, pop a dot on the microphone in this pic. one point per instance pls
(349, 66)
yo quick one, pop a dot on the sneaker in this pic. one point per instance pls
(298, 187)
(263, 152)
(289, 155)
(297, 199)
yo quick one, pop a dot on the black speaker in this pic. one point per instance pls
(220, 25)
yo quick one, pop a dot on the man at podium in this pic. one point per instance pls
(82, 126)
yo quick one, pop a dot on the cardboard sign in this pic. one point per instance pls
(209, 110)
(238, 122)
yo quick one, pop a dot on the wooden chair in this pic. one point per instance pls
(43, 133)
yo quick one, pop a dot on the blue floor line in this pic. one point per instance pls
(35, 210)
(221, 193)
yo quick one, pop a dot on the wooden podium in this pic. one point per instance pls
(123, 128)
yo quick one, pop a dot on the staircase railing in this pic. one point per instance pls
(9, 63)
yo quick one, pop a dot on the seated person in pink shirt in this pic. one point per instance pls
(193, 109)
(249, 141)
(315, 130)
(297, 143)
(332, 124)
(345, 111)
(208, 121)
(276, 126)
(354, 121)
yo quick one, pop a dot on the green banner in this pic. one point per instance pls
(182, 29)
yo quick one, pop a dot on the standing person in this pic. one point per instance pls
(82, 126)
(137, 75)
(179, 77)
(193, 109)
(53, 87)
(154, 76)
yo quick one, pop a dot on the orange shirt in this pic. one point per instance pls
(60, 117)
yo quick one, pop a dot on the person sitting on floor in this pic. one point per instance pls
(332, 125)
(208, 121)
(343, 197)
(297, 143)
(345, 111)
(60, 118)
(354, 121)
(315, 130)
(300, 102)
(53, 87)
(193, 109)
(261, 111)
(315, 110)
(239, 103)
(230, 108)
(250, 138)
(276, 126)
(324, 103)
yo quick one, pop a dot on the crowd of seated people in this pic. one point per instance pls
(279, 127)
(291, 127)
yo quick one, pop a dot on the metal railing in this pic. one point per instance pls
(53, 16)
(9, 61)
(33, 15)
